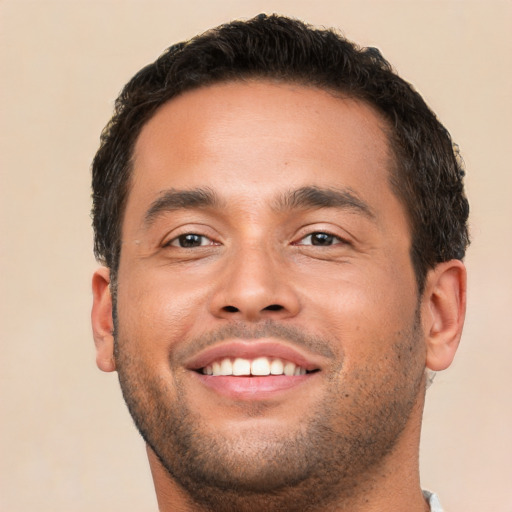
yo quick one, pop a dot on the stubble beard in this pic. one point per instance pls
(328, 458)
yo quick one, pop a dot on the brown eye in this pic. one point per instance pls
(320, 239)
(190, 240)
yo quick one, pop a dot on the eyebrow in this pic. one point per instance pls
(171, 200)
(312, 197)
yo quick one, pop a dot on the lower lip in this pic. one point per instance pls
(252, 388)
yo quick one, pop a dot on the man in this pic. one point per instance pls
(281, 221)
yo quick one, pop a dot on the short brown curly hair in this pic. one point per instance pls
(427, 176)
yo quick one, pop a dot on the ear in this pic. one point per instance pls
(102, 321)
(444, 309)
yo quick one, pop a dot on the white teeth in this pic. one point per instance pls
(289, 369)
(276, 367)
(241, 366)
(226, 367)
(260, 366)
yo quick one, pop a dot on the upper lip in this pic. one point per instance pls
(251, 350)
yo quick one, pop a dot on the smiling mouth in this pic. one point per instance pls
(257, 367)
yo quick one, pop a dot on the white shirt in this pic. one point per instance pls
(433, 501)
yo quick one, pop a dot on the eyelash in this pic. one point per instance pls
(182, 239)
(329, 236)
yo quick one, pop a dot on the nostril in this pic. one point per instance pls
(230, 309)
(274, 307)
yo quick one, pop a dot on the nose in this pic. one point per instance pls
(254, 286)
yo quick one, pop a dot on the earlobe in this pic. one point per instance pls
(444, 309)
(102, 320)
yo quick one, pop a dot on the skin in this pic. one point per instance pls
(345, 437)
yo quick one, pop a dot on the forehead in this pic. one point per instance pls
(252, 139)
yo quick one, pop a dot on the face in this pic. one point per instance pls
(267, 310)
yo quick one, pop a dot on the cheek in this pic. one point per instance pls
(156, 312)
(366, 312)
(363, 294)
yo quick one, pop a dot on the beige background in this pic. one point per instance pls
(67, 443)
